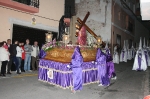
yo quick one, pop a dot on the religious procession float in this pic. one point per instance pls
(56, 57)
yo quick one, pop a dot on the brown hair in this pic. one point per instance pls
(2, 43)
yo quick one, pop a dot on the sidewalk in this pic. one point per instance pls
(23, 74)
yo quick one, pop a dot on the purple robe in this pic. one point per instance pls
(102, 68)
(110, 64)
(42, 53)
(146, 57)
(139, 61)
(76, 63)
(123, 54)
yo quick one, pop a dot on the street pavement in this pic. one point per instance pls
(129, 85)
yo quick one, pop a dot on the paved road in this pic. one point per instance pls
(129, 85)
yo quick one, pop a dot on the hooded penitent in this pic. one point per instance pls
(108, 55)
(133, 52)
(127, 44)
(147, 44)
(140, 60)
(132, 45)
(106, 46)
(123, 55)
(140, 44)
(109, 63)
(144, 45)
(124, 46)
(102, 68)
(146, 53)
(76, 63)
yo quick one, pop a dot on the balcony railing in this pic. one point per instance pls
(34, 3)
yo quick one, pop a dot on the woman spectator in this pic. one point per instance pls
(19, 56)
(5, 45)
(4, 57)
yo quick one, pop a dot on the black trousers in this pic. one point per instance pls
(3, 67)
(10, 64)
(22, 65)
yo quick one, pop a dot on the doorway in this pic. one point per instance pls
(118, 40)
(21, 33)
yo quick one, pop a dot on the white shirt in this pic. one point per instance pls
(19, 51)
(35, 51)
(4, 54)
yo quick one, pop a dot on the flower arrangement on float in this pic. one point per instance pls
(59, 44)
(50, 45)
(65, 44)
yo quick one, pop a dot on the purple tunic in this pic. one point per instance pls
(76, 63)
(102, 68)
(42, 53)
(146, 57)
(139, 61)
(123, 54)
(110, 64)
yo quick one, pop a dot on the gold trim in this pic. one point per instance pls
(67, 87)
(66, 71)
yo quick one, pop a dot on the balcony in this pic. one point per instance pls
(31, 6)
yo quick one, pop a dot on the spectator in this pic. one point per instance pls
(15, 60)
(34, 55)
(5, 45)
(19, 56)
(10, 49)
(28, 49)
(4, 57)
(23, 57)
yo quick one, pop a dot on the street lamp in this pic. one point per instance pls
(49, 37)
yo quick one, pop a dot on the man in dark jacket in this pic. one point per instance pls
(13, 52)
(10, 49)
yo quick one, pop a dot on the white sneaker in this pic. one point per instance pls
(114, 78)
(19, 71)
(100, 85)
(30, 70)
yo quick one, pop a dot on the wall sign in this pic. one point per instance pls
(33, 21)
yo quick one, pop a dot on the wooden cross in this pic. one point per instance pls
(82, 23)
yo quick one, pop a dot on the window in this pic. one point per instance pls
(118, 40)
(127, 21)
(119, 15)
(130, 26)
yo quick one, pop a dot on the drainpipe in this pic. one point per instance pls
(112, 27)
